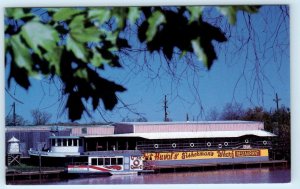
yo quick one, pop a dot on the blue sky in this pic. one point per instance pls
(237, 76)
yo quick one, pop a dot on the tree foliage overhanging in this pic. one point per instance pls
(75, 44)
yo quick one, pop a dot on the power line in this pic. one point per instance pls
(13, 97)
(9, 112)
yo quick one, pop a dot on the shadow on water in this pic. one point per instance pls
(252, 175)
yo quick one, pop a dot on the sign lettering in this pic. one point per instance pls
(247, 153)
(209, 154)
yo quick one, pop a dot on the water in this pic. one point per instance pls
(253, 175)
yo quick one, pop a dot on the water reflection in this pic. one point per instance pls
(253, 175)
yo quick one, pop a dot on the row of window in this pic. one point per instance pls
(208, 144)
(106, 161)
(66, 142)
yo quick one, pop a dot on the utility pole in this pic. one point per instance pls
(187, 117)
(276, 124)
(165, 109)
(276, 100)
(14, 113)
(14, 106)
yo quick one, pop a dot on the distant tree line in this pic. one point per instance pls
(277, 121)
(139, 119)
(38, 118)
(17, 120)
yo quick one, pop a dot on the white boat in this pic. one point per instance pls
(69, 151)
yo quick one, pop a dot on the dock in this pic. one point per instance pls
(216, 166)
(15, 175)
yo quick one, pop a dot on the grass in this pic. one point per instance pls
(30, 168)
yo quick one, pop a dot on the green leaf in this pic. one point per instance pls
(65, 14)
(230, 12)
(77, 22)
(21, 54)
(195, 12)
(37, 34)
(54, 57)
(77, 48)
(199, 51)
(182, 54)
(81, 73)
(20, 14)
(120, 15)
(98, 60)
(6, 43)
(154, 21)
(90, 34)
(15, 13)
(102, 15)
(112, 37)
(134, 14)
(249, 9)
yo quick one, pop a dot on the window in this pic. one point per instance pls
(119, 161)
(64, 142)
(75, 142)
(58, 142)
(69, 142)
(106, 161)
(100, 161)
(83, 130)
(80, 142)
(53, 142)
(113, 161)
(94, 161)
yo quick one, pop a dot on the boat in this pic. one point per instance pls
(143, 147)
(61, 149)
(68, 151)
(108, 165)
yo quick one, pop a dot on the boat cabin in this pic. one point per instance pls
(66, 144)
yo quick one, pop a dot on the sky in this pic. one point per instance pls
(249, 73)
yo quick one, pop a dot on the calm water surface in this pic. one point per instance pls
(254, 175)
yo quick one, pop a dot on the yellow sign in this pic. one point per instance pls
(206, 154)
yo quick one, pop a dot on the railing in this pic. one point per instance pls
(78, 163)
(113, 153)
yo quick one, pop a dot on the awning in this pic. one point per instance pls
(186, 135)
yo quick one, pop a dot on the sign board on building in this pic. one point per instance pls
(206, 154)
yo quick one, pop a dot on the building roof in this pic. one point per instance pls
(53, 127)
(183, 135)
(188, 126)
(13, 139)
(187, 122)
